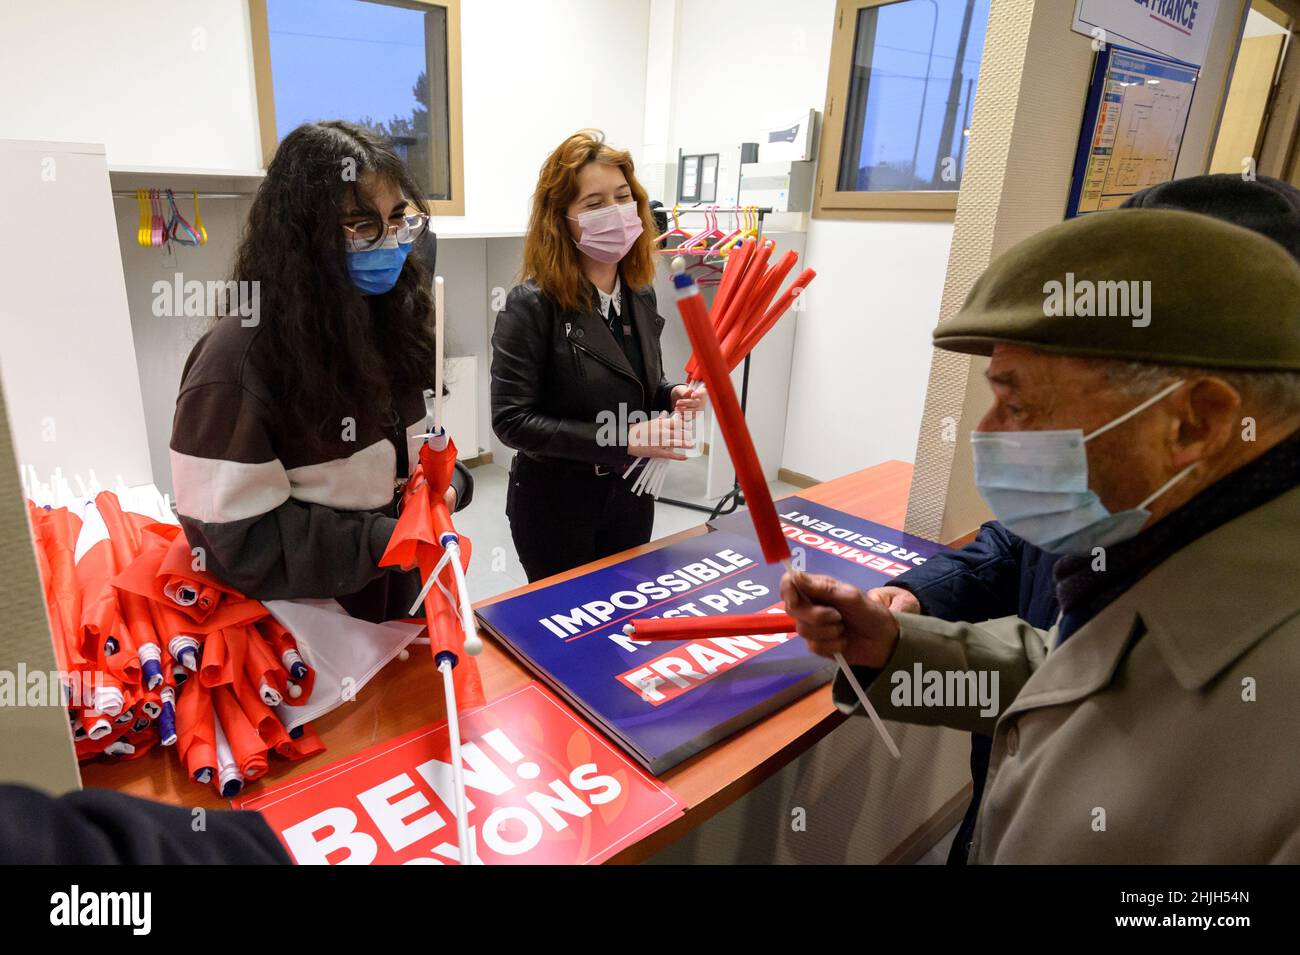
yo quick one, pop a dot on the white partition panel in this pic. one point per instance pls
(66, 350)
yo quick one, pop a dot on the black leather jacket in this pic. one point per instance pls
(554, 372)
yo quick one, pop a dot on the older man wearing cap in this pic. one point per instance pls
(997, 574)
(1146, 372)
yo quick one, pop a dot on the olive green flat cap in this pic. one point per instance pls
(1150, 285)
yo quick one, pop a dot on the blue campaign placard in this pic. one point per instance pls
(850, 548)
(664, 701)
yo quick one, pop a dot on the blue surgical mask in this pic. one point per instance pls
(1036, 483)
(375, 271)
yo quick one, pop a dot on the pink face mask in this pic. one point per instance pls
(608, 232)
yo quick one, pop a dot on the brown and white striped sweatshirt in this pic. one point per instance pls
(276, 517)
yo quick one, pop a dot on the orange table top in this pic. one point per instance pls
(404, 696)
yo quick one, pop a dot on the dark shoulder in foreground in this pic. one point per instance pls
(105, 827)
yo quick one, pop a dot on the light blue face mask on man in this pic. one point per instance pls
(1036, 483)
(375, 271)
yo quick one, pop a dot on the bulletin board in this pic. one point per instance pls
(1133, 127)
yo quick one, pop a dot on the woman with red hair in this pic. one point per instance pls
(578, 388)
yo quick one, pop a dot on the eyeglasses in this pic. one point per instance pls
(372, 233)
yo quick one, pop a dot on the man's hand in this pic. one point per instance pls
(449, 496)
(895, 599)
(834, 617)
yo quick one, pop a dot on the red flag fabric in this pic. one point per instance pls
(307, 744)
(417, 540)
(302, 678)
(95, 569)
(197, 743)
(127, 646)
(195, 593)
(137, 636)
(263, 672)
(444, 620)
(245, 742)
(147, 577)
(752, 311)
(55, 532)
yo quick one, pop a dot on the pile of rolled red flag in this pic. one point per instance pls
(153, 650)
(745, 307)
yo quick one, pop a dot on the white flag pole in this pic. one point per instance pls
(473, 643)
(860, 693)
(457, 767)
(439, 327)
(451, 555)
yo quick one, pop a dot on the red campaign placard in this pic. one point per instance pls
(543, 788)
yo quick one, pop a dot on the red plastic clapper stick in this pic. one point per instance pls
(732, 275)
(731, 419)
(756, 307)
(723, 625)
(755, 272)
(743, 457)
(761, 328)
(723, 319)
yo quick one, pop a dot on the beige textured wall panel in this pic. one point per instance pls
(1243, 111)
(35, 741)
(1212, 88)
(1283, 129)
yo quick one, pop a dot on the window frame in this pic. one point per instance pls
(830, 202)
(261, 39)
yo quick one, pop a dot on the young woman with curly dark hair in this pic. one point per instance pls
(298, 417)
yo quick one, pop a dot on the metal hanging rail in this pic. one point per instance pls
(761, 210)
(735, 498)
(130, 194)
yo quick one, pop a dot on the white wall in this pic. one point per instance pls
(737, 64)
(463, 265)
(1259, 25)
(159, 82)
(531, 74)
(862, 348)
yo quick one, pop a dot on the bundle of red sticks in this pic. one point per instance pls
(745, 307)
(153, 650)
(716, 372)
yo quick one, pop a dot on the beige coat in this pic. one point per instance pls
(1166, 730)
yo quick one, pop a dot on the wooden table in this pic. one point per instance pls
(406, 695)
